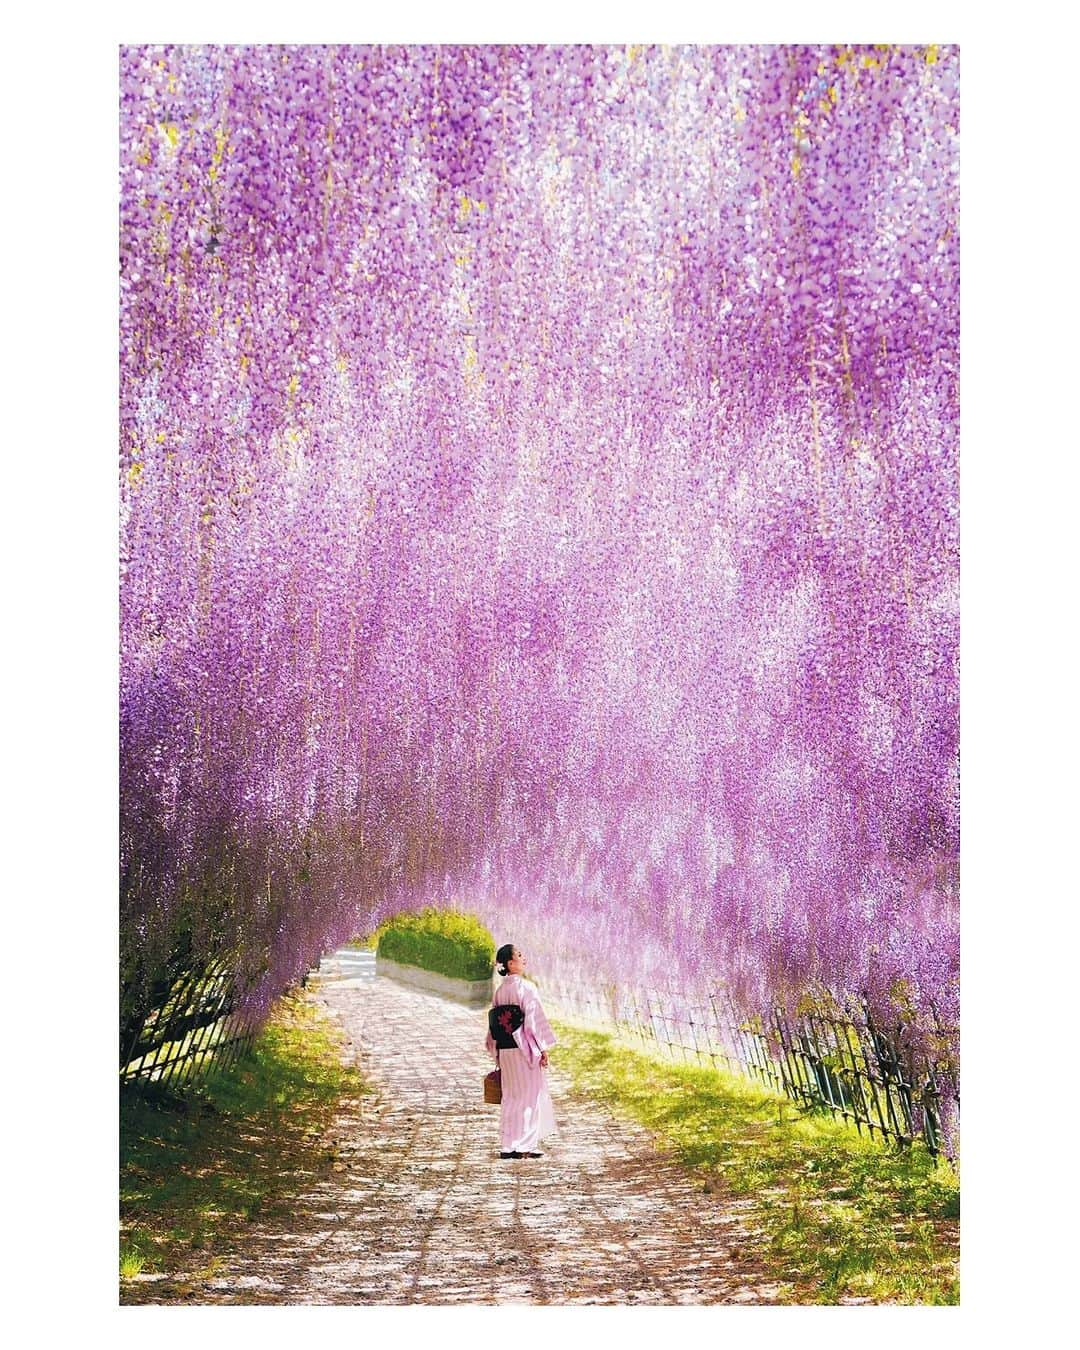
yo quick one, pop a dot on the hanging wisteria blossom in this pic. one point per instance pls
(539, 494)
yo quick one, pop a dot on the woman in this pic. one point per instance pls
(526, 1115)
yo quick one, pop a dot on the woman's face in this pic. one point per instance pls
(516, 964)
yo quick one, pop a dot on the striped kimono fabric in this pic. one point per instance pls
(526, 1115)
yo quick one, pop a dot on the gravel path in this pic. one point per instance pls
(421, 1209)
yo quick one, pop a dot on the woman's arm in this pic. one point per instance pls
(534, 1036)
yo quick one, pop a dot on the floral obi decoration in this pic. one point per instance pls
(502, 1023)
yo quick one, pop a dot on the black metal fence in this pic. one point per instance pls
(842, 1060)
(200, 1024)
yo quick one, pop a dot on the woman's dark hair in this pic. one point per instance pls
(503, 955)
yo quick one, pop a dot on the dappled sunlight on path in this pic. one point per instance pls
(419, 1208)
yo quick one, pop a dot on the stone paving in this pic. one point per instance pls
(420, 1209)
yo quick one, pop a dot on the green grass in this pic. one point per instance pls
(195, 1169)
(132, 1260)
(845, 1217)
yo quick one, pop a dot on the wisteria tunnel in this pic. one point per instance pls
(539, 485)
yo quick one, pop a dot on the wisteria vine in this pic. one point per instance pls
(539, 494)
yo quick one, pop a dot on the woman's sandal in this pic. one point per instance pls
(511, 1155)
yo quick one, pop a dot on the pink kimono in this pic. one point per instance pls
(526, 1114)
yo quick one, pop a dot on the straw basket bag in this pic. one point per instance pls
(493, 1087)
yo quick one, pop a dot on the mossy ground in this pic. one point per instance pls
(194, 1170)
(847, 1217)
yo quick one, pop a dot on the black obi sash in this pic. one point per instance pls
(503, 1021)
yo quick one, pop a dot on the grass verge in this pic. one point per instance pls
(194, 1170)
(846, 1218)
